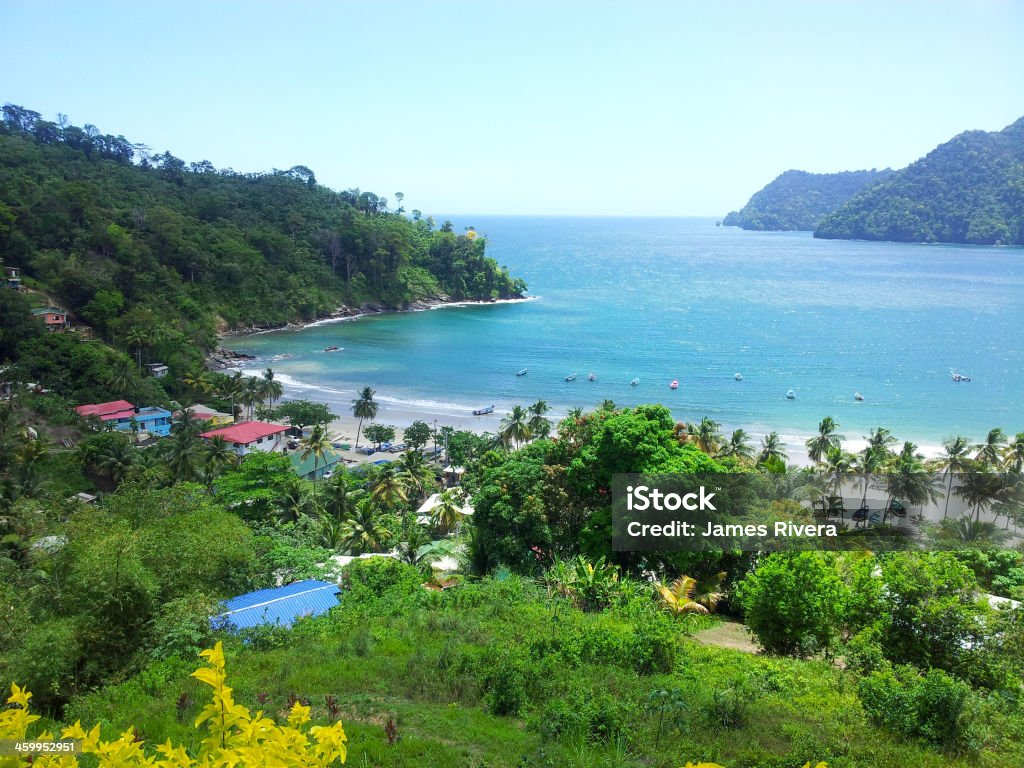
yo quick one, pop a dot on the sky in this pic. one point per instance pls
(636, 108)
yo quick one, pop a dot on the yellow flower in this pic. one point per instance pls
(19, 696)
(299, 715)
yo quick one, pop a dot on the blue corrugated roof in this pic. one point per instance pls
(281, 605)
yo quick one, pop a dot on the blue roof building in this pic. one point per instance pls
(281, 605)
(156, 421)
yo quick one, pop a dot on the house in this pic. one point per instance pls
(250, 436)
(202, 412)
(117, 414)
(121, 415)
(12, 278)
(304, 468)
(280, 606)
(156, 370)
(55, 319)
(156, 421)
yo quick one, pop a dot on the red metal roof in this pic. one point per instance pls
(106, 410)
(246, 432)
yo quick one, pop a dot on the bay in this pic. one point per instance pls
(677, 298)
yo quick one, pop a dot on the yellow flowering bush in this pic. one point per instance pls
(234, 738)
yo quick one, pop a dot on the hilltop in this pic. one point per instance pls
(797, 200)
(968, 190)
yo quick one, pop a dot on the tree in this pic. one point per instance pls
(909, 480)
(417, 435)
(388, 486)
(990, 452)
(953, 461)
(303, 413)
(792, 603)
(365, 530)
(739, 447)
(270, 389)
(448, 514)
(317, 444)
(540, 427)
(771, 448)
(122, 376)
(1013, 460)
(515, 427)
(819, 445)
(379, 433)
(364, 407)
(677, 597)
(252, 393)
(705, 435)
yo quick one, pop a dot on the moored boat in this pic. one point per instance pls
(522, 372)
(858, 397)
(571, 377)
(738, 377)
(791, 395)
(332, 348)
(634, 383)
(484, 411)
(674, 384)
(592, 377)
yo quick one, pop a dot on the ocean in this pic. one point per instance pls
(663, 299)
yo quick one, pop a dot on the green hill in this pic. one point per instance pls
(129, 240)
(968, 190)
(797, 200)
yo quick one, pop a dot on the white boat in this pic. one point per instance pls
(738, 377)
(484, 411)
(958, 376)
(791, 395)
(674, 384)
(634, 383)
(592, 377)
(523, 372)
(858, 397)
(571, 377)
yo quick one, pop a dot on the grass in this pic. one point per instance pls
(444, 668)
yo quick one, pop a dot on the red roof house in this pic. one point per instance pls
(115, 410)
(250, 436)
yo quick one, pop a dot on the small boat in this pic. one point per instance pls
(791, 395)
(521, 373)
(738, 377)
(858, 397)
(332, 348)
(592, 377)
(634, 383)
(674, 384)
(571, 377)
(959, 376)
(484, 411)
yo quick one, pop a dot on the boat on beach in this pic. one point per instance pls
(674, 384)
(522, 372)
(571, 377)
(484, 411)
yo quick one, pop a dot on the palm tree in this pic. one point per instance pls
(966, 533)
(122, 376)
(882, 440)
(705, 435)
(1013, 458)
(230, 388)
(910, 480)
(708, 590)
(515, 427)
(136, 338)
(270, 389)
(292, 503)
(116, 461)
(818, 446)
(365, 531)
(340, 498)
(316, 445)
(388, 487)
(364, 407)
(953, 461)
(979, 487)
(771, 448)
(252, 393)
(416, 474)
(739, 446)
(838, 466)
(448, 514)
(540, 427)
(218, 455)
(677, 598)
(868, 462)
(990, 452)
(183, 456)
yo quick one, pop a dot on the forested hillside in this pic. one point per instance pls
(797, 200)
(130, 240)
(968, 190)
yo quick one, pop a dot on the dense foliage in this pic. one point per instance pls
(797, 200)
(173, 251)
(968, 190)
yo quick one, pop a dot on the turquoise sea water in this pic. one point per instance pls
(664, 299)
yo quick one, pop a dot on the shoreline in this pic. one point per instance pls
(401, 413)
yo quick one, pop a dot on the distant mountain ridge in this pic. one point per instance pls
(798, 200)
(968, 190)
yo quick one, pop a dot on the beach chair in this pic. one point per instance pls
(895, 509)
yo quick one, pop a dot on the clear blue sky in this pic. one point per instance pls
(521, 107)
